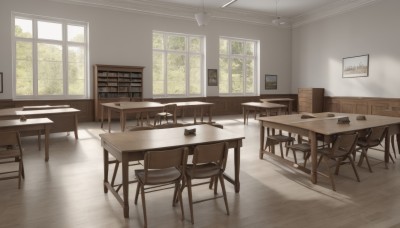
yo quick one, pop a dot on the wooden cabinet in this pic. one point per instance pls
(114, 83)
(311, 100)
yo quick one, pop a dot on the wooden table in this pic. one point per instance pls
(37, 124)
(65, 119)
(124, 108)
(195, 105)
(327, 126)
(131, 146)
(285, 101)
(267, 107)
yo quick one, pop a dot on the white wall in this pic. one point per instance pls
(318, 49)
(124, 38)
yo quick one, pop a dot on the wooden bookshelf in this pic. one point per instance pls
(113, 83)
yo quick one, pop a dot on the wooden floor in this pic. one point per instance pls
(67, 191)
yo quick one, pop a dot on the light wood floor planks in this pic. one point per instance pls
(67, 191)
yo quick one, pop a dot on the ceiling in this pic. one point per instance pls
(296, 12)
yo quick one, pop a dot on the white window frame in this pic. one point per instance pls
(64, 43)
(230, 56)
(165, 52)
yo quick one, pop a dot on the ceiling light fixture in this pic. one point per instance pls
(278, 21)
(227, 4)
(202, 17)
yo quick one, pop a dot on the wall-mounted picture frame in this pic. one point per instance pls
(271, 81)
(356, 66)
(212, 77)
(1, 82)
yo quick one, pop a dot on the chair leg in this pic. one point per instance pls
(326, 160)
(393, 146)
(180, 200)
(19, 174)
(137, 192)
(281, 147)
(210, 186)
(215, 185)
(143, 204)
(221, 179)
(369, 166)
(354, 168)
(189, 189)
(338, 165)
(294, 155)
(114, 173)
(306, 157)
(176, 190)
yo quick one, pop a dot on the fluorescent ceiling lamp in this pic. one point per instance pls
(227, 4)
(201, 18)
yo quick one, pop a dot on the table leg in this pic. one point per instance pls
(244, 115)
(125, 186)
(102, 116)
(387, 150)
(46, 142)
(313, 138)
(262, 136)
(76, 126)
(109, 120)
(201, 114)
(290, 107)
(237, 168)
(209, 114)
(105, 163)
(122, 120)
(194, 116)
(398, 142)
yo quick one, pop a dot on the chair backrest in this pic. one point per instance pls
(215, 153)
(8, 138)
(376, 135)
(171, 108)
(345, 143)
(164, 159)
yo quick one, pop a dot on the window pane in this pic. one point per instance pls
(195, 45)
(76, 33)
(250, 76)
(158, 73)
(76, 70)
(24, 68)
(158, 41)
(223, 46)
(249, 48)
(50, 69)
(177, 43)
(237, 48)
(195, 75)
(49, 30)
(237, 75)
(223, 75)
(176, 74)
(23, 28)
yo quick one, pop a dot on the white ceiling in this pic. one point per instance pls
(296, 12)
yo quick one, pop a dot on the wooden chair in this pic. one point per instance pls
(281, 139)
(168, 112)
(373, 139)
(342, 149)
(11, 152)
(161, 168)
(208, 162)
(303, 147)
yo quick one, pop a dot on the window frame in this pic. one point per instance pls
(188, 54)
(230, 57)
(65, 44)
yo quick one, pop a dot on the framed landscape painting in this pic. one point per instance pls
(212, 77)
(271, 82)
(357, 66)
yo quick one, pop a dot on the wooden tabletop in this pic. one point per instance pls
(166, 138)
(263, 105)
(133, 105)
(276, 99)
(191, 103)
(46, 111)
(33, 121)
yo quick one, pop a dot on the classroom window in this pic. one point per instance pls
(237, 66)
(178, 65)
(50, 58)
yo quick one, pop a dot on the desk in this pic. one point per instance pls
(327, 126)
(30, 125)
(124, 108)
(285, 101)
(195, 105)
(65, 119)
(131, 146)
(268, 107)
